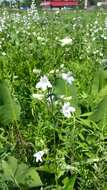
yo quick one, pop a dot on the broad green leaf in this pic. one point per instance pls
(7, 171)
(101, 94)
(95, 84)
(20, 174)
(13, 164)
(9, 108)
(69, 183)
(45, 168)
(100, 113)
(32, 178)
(27, 176)
(63, 88)
(100, 80)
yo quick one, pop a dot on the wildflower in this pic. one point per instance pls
(66, 41)
(38, 96)
(39, 155)
(44, 83)
(67, 110)
(68, 77)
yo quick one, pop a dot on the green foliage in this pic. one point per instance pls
(9, 108)
(69, 183)
(63, 88)
(75, 148)
(99, 89)
(19, 174)
(100, 113)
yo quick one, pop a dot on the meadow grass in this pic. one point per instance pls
(53, 97)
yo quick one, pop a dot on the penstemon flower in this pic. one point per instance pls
(67, 110)
(44, 83)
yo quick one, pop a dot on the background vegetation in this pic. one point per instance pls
(74, 149)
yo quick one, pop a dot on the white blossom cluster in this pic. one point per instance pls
(43, 84)
(67, 110)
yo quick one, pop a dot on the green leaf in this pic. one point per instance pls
(101, 94)
(13, 163)
(27, 176)
(100, 80)
(32, 178)
(20, 174)
(100, 113)
(45, 168)
(63, 88)
(95, 84)
(9, 108)
(69, 183)
(22, 170)
(7, 171)
(84, 122)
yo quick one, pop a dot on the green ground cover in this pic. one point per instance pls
(53, 100)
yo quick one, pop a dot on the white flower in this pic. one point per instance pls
(44, 83)
(68, 77)
(38, 96)
(67, 110)
(66, 41)
(39, 155)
